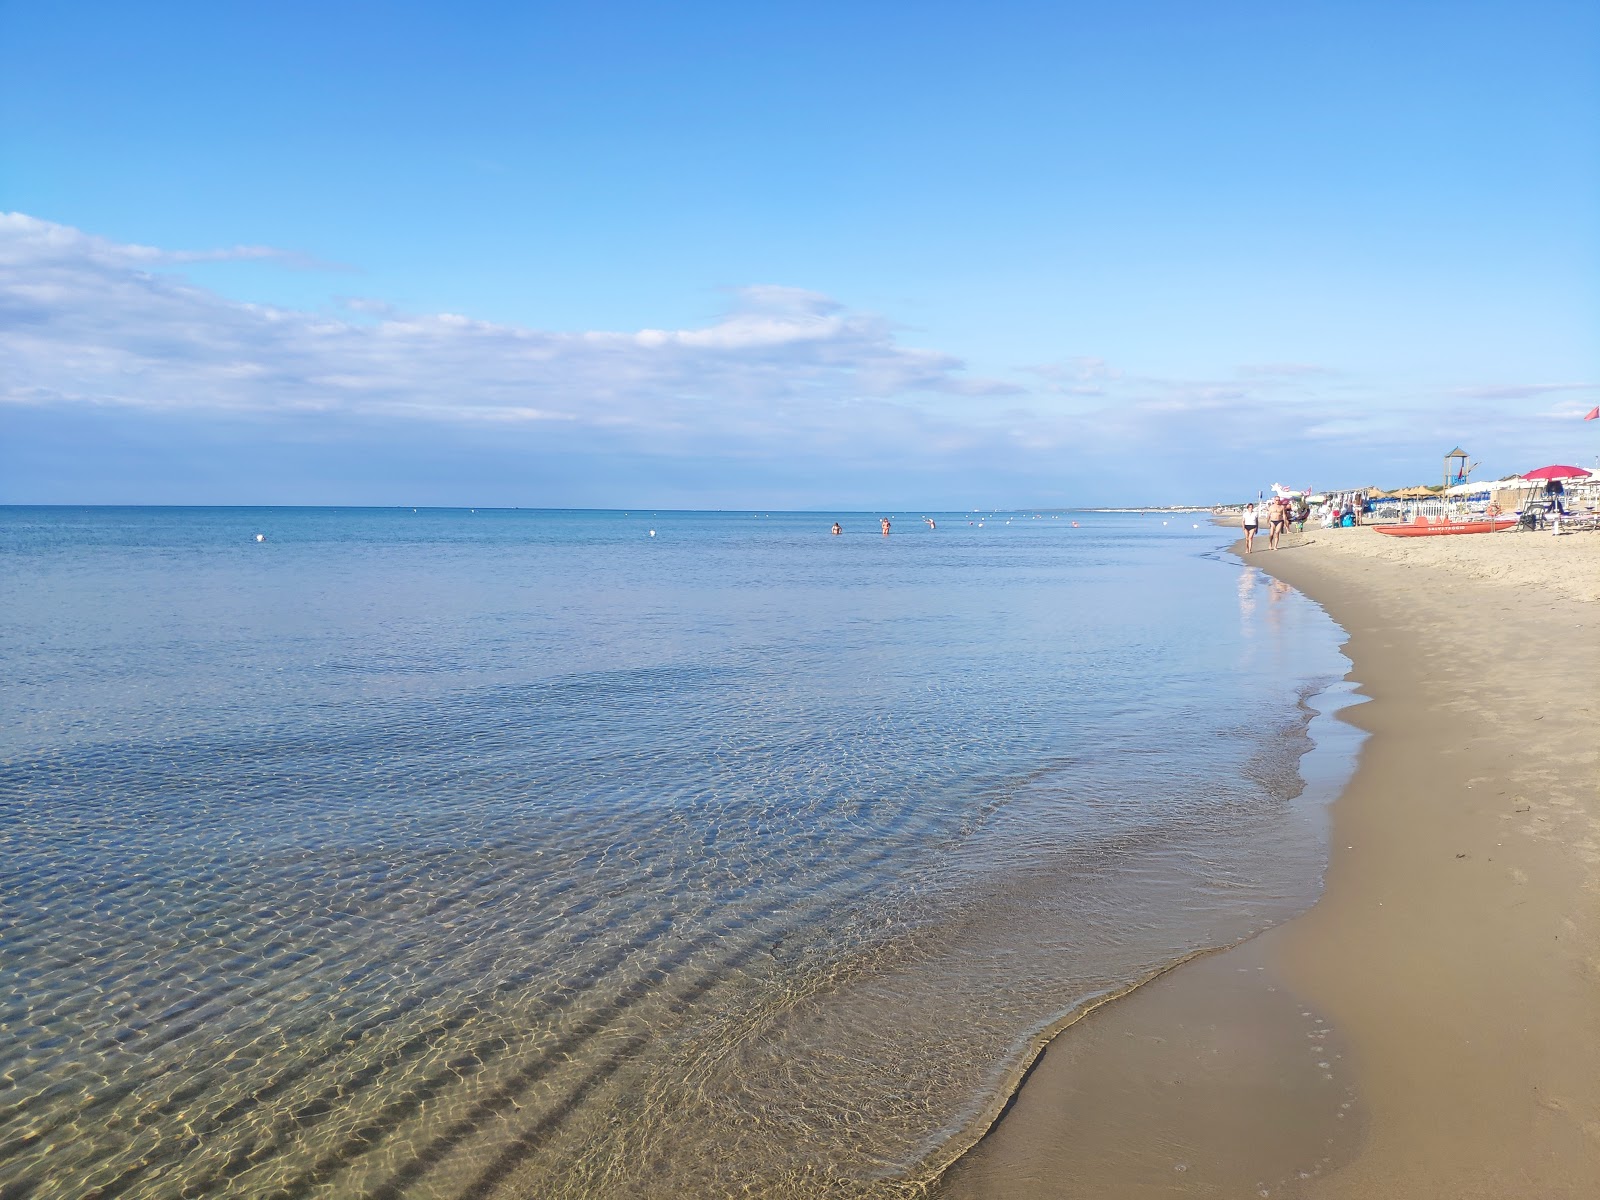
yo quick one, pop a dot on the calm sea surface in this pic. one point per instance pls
(492, 854)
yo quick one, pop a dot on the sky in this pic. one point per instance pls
(732, 255)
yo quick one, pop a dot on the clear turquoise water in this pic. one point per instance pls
(519, 853)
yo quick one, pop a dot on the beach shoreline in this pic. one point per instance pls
(1455, 950)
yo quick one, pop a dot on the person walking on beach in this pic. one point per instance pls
(884, 521)
(1251, 520)
(1277, 521)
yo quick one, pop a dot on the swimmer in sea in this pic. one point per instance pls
(884, 521)
(929, 520)
(837, 529)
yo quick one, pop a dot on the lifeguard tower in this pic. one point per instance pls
(1456, 468)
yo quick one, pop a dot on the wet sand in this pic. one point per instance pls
(1455, 951)
(1216, 1079)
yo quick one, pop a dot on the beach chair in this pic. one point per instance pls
(1585, 521)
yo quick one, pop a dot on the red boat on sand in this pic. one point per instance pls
(1422, 527)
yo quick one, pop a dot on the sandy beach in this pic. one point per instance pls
(1432, 1027)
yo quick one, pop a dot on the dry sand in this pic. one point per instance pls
(1432, 1027)
(1544, 563)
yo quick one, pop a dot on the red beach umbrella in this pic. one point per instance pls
(1556, 472)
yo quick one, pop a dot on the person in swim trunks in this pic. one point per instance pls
(1277, 521)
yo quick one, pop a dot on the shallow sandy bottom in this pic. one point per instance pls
(1456, 950)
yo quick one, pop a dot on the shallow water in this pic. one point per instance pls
(520, 853)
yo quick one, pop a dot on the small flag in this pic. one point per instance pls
(1592, 415)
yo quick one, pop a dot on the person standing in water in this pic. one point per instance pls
(837, 529)
(1251, 520)
(929, 520)
(884, 521)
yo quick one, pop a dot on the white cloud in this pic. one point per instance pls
(29, 241)
(98, 335)
(88, 322)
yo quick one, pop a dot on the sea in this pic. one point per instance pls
(521, 853)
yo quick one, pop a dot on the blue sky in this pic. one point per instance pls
(833, 254)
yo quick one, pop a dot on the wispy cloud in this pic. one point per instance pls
(28, 242)
(89, 322)
(100, 338)
(1079, 376)
(1285, 370)
(1522, 391)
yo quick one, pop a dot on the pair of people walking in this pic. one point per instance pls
(1279, 512)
